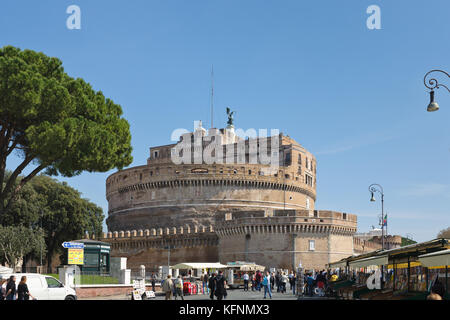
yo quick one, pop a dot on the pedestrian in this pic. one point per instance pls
(167, 287)
(153, 280)
(178, 288)
(258, 279)
(320, 280)
(246, 278)
(310, 283)
(205, 283)
(22, 290)
(272, 281)
(253, 282)
(2, 289)
(278, 281)
(212, 286)
(220, 290)
(266, 284)
(291, 275)
(11, 288)
(284, 281)
(294, 282)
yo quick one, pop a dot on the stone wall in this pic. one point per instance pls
(280, 238)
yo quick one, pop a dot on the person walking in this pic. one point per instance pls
(220, 290)
(246, 279)
(284, 281)
(278, 281)
(253, 282)
(212, 286)
(2, 289)
(321, 280)
(153, 281)
(205, 283)
(22, 290)
(310, 283)
(266, 284)
(178, 284)
(167, 287)
(11, 289)
(294, 282)
(258, 279)
(272, 281)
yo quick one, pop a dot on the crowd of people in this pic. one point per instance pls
(214, 284)
(268, 281)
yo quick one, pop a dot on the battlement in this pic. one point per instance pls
(154, 233)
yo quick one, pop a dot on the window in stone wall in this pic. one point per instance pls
(344, 216)
(249, 172)
(228, 216)
(312, 245)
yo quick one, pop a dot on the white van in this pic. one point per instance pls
(44, 287)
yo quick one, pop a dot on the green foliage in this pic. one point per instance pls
(19, 241)
(54, 122)
(407, 242)
(58, 208)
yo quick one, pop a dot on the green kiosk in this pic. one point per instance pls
(96, 256)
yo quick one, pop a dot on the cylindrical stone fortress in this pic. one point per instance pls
(163, 194)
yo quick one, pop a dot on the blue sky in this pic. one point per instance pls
(352, 96)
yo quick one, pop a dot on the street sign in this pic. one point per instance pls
(76, 256)
(73, 245)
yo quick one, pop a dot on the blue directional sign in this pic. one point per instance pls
(73, 245)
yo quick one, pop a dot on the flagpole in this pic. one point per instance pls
(382, 215)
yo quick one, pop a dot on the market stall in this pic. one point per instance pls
(192, 284)
(239, 268)
(405, 273)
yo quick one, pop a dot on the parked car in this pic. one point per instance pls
(44, 287)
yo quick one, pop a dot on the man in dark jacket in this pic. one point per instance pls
(212, 286)
(278, 281)
(258, 280)
(220, 286)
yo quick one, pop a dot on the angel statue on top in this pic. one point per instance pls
(230, 117)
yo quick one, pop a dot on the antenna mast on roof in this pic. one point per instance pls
(212, 96)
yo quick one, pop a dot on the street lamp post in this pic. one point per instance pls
(432, 84)
(377, 188)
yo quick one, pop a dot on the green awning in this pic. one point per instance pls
(435, 259)
(372, 261)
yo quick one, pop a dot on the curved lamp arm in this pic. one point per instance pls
(433, 83)
(373, 188)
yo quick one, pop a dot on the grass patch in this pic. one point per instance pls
(92, 279)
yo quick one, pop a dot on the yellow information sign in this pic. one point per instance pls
(76, 256)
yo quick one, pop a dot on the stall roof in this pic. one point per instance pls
(372, 261)
(410, 250)
(435, 259)
(199, 265)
